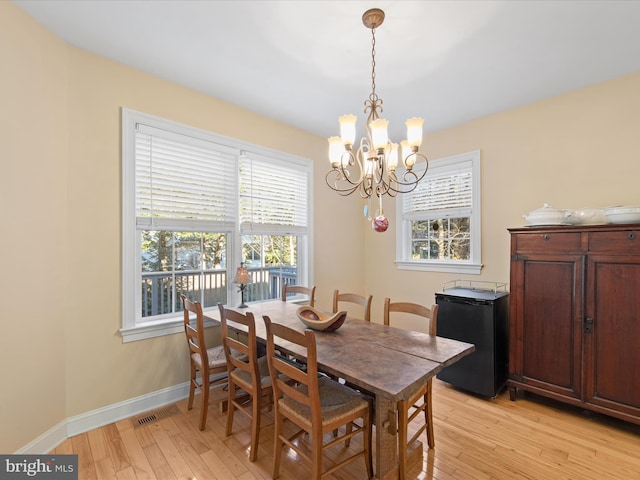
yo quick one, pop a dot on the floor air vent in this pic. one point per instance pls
(155, 415)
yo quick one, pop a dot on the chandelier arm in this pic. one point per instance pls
(396, 191)
(364, 195)
(367, 187)
(334, 185)
(345, 174)
(399, 186)
(410, 172)
(378, 171)
(382, 187)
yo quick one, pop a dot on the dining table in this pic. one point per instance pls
(387, 362)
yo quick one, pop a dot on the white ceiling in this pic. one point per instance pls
(307, 62)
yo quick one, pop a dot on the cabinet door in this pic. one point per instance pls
(612, 341)
(547, 354)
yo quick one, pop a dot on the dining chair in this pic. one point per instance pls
(353, 298)
(420, 400)
(248, 376)
(207, 362)
(310, 292)
(315, 404)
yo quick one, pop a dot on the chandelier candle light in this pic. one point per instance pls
(372, 168)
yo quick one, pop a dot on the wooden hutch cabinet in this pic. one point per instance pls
(574, 327)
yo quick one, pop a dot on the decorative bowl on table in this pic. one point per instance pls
(317, 320)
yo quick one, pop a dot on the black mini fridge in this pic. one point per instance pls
(475, 313)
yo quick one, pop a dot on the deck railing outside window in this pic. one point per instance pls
(161, 290)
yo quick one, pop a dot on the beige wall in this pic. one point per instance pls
(61, 353)
(577, 150)
(34, 228)
(60, 194)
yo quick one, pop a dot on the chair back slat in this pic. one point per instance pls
(310, 292)
(195, 335)
(363, 301)
(414, 309)
(239, 355)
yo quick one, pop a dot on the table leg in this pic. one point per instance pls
(386, 461)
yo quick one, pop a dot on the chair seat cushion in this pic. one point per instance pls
(216, 357)
(336, 400)
(263, 370)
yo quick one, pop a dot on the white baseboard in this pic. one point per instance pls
(47, 441)
(103, 416)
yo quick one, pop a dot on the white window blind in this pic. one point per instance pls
(438, 195)
(183, 182)
(273, 196)
(449, 195)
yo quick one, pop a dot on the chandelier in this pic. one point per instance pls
(372, 168)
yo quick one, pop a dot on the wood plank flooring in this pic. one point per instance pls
(476, 439)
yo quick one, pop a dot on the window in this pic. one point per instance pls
(196, 205)
(439, 221)
(274, 224)
(173, 263)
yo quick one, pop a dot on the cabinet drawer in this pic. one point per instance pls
(624, 242)
(545, 242)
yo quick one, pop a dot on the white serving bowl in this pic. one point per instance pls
(621, 215)
(587, 216)
(547, 215)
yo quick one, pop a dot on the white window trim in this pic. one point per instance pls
(403, 232)
(131, 329)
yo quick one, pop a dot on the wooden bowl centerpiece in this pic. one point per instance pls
(318, 320)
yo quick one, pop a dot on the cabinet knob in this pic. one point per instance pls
(546, 236)
(588, 325)
(631, 235)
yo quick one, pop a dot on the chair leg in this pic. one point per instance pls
(403, 412)
(349, 429)
(368, 434)
(428, 418)
(204, 408)
(255, 425)
(277, 448)
(230, 407)
(192, 387)
(316, 455)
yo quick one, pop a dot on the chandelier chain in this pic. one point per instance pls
(373, 63)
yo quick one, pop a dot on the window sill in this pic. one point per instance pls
(425, 266)
(156, 328)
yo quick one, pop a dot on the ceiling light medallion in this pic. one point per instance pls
(372, 169)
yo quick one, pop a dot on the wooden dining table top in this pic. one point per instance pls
(383, 360)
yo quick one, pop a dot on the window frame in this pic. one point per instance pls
(133, 326)
(474, 265)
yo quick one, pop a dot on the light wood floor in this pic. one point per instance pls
(476, 439)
